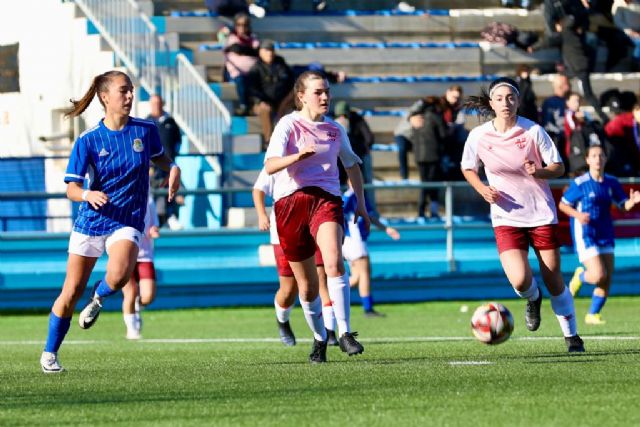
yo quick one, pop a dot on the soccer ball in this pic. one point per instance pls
(492, 323)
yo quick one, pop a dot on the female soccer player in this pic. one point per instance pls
(514, 152)
(588, 201)
(288, 291)
(355, 251)
(116, 154)
(304, 148)
(140, 291)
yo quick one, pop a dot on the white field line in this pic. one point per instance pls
(470, 362)
(276, 340)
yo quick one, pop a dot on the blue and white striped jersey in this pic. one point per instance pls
(117, 163)
(588, 195)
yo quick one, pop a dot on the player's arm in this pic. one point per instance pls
(582, 217)
(488, 193)
(76, 193)
(355, 176)
(634, 199)
(167, 165)
(259, 204)
(276, 164)
(551, 171)
(391, 232)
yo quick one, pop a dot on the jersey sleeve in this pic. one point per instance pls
(279, 138)
(78, 162)
(572, 195)
(155, 145)
(618, 195)
(547, 148)
(346, 154)
(264, 183)
(470, 159)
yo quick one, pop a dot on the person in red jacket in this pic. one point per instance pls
(624, 133)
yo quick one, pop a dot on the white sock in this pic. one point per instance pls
(313, 315)
(282, 314)
(340, 295)
(130, 322)
(329, 317)
(562, 306)
(532, 293)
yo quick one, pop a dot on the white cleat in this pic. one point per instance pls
(90, 313)
(49, 363)
(133, 334)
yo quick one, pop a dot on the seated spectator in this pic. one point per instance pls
(454, 118)
(624, 133)
(240, 54)
(268, 83)
(231, 8)
(528, 108)
(361, 139)
(552, 114)
(626, 16)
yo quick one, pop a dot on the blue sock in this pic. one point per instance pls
(367, 303)
(103, 290)
(597, 302)
(58, 328)
(583, 280)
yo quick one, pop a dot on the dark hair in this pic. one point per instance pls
(481, 104)
(572, 93)
(455, 88)
(590, 146)
(241, 15)
(301, 84)
(100, 84)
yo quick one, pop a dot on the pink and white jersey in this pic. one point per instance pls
(292, 133)
(524, 200)
(266, 183)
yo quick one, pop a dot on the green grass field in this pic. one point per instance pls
(420, 367)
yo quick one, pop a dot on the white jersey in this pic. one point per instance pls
(265, 183)
(145, 254)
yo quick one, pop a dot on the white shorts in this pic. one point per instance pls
(586, 253)
(354, 248)
(94, 246)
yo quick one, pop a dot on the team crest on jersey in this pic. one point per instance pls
(520, 142)
(138, 146)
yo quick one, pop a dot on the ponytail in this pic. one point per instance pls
(99, 84)
(480, 104)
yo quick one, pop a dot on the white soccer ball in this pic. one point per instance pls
(492, 323)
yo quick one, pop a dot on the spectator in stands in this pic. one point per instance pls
(624, 133)
(428, 135)
(230, 8)
(528, 107)
(552, 113)
(117, 151)
(268, 83)
(171, 138)
(402, 134)
(619, 45)
(240, 54)
(361, 139)
(626, 16)
(454, 118)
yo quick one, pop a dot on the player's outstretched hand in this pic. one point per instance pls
(634, 196)
(97, 199)
(174, 182)
(392, 232)
(490, 194)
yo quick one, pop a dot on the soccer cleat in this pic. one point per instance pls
(372, 313)
(318, 352)
(532, 313)
(133, 334)
(286, 334)
(91, 311)
(575, 284)
(49, 363)
(594, 319)
(574, 344)
(331, 338)
(349, 344)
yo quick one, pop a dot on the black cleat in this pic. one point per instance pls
(349, 344)
(286, 334)
(318, 352)
(532, 314)
(331, 338)
(372, 313)
(574, 344)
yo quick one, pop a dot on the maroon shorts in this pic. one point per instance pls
(543, 237)
(284, 269)
(144, 270)
(298, 217)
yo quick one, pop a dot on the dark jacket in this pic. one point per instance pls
(270, 83)
(528, 107)
(360, 134)
(428, 141)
